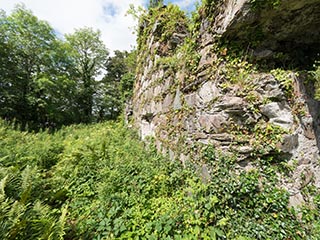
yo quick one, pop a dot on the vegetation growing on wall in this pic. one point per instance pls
(315, 77)
(234, 72)
(257, 4)
(231, 67)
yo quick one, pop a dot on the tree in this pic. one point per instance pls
(127, 80)
(26, 56)
(116, 85)
(59, 89)
(36, 69)
(48, 82)
(90, 55)
(155, 3)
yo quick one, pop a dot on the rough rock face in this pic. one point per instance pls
(253, 114)
(270, 27)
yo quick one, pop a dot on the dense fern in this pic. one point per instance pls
(100, 182)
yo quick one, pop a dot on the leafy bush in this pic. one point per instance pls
(315, 76)
(100, 182)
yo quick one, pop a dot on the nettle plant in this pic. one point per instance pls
(285, 79)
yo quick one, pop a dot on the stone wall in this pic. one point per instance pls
(225, 103)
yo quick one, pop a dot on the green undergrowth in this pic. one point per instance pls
(100, 182)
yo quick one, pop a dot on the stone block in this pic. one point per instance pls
(289, 143)
(245, 149)
(157, 90)
(270, 88)
(206, 57)
(146, 129)
(177, 100)
(296, 200)
(279, 113)
(213, 123)
(222, 137)
(307, 126)
(208, 92)
(167, 102)
(205, 174)
(231, 103)
(191, 99)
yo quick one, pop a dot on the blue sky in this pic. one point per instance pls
(184, 4)
(109, 16)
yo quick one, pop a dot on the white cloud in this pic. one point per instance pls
(107, 15)
(67, 15)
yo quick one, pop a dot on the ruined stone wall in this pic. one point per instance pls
(225, 101)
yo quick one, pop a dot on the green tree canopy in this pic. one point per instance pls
(116, 86)
(90, 56)
(26, 59)
(155, 3)
(49, 82)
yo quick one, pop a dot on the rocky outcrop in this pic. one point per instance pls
(268, 28)
(226, 104)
